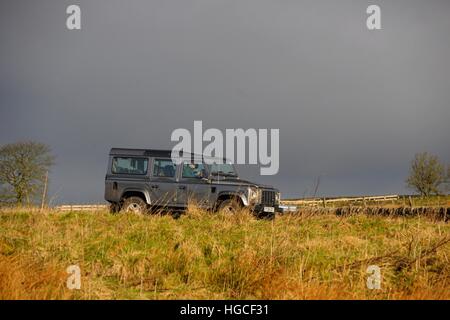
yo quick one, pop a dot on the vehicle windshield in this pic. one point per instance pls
(223, 169)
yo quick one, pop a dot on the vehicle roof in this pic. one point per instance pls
(140, 152)
(151, 153)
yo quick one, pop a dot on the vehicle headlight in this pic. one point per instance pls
(277, 197)
(253, 194)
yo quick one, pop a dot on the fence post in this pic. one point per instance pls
(44, 193)
(410, 201)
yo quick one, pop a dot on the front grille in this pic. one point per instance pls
(268, 197)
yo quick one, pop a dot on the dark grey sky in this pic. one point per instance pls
(352, 105)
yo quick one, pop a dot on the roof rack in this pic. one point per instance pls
(140, 152)
(151, 153)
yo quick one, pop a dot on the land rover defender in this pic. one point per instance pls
(139, 180)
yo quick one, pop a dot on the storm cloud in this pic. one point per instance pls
(352, 105)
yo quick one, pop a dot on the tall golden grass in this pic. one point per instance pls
(203, 255)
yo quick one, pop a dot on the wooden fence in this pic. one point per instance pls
(299, 202)
(82, 207)
(324, 201)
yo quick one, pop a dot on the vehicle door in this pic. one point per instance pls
(163, 184)
(126, 173)
(193, 185)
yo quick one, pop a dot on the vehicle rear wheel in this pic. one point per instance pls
(229, 206)
(134, 205)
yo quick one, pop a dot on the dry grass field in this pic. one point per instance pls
(312, 254)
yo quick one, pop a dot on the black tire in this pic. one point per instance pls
(175, 214)
(229, 206)
(135, 205)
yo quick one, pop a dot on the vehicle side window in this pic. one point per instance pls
(194, 170)
(122, 165)
(164, 168)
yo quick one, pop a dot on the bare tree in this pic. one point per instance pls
(426, 175)
(23, 168)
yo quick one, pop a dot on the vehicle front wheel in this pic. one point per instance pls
(134, 205)
(229, 206)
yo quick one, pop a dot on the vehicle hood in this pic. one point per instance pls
(241, 182)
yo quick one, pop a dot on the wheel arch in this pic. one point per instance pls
(225, 195)
(143, 194)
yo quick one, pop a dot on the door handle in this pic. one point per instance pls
(182, 187)
(155, 186)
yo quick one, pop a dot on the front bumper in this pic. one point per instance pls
(284, 208)
(260, 208)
